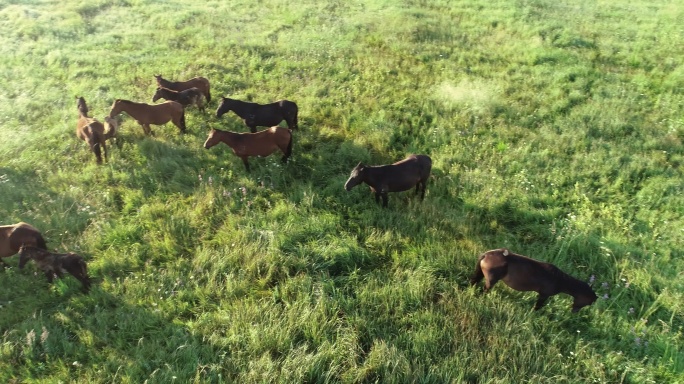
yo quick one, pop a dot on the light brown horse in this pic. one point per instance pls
(13, 236)
(198, 82)
(93, 132)
(56, 264)
(146, 114)
(400, 176)
(525, 274)
(262, 143)
(190, 96)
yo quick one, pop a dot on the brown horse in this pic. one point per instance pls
(262, 143)
(56, 264)
(258, 115)
(190, 96)
(524, 274)
(400, 176)
(13, 236)
(94, 132)
(146, 114)
(198, 82)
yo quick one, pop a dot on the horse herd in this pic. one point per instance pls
(518, 272)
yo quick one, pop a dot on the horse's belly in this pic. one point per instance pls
(520, 283)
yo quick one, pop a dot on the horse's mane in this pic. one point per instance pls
(569, 281)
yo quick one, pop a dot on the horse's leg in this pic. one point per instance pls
(246, 162)
(541, 300)
(146, 129)
(252, 128)
(384, 199)
(4, 264)
(424, 186)
(104, 149)
(181, 123)
(493, 275)
(50, 276)
(377, 197)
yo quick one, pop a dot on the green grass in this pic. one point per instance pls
(555, 129)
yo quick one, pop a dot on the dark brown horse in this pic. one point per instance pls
(524, 274)
(146, 114)
(56, 264)
(198, 82)
(93, 132)
(190, 96)
(13, 236)
(262, 143)
(400, 176)
(258, 115)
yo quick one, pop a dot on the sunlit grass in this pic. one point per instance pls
(555, 129)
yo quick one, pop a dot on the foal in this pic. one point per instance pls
(524, 274)
(262, 143)
(56, 264)
(13, 236)
(94, 132)
(400, 176)
(190, 96)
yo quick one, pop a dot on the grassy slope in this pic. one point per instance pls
(555, 128)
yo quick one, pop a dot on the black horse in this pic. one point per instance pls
(258, 115)
(524, 274)
(397, 177)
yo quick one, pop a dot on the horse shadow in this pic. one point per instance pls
(73, 325)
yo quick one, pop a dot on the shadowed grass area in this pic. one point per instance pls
(555, 129)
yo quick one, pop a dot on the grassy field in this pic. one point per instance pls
(555, 129)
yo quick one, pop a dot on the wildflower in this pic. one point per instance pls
(631, 311)
(605, 296)
(604, 285)
(199, 177)
(592, 279)
(210, 180)
(637, 340)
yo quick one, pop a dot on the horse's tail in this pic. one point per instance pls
(208, 93)
(478, 275)
(94, 143)
(288, 151)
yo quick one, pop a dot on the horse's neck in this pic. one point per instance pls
(230, 138)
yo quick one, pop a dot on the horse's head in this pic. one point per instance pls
(158, 78)
(111, 126)
(224, 106)
(212, 139)
(585, 296)
(356, 177)
(116, 108)
(157, 94)
(81, 105)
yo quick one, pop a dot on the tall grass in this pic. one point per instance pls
(555, 129)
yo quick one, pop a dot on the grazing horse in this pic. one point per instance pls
(94, 132)
(146, 114)
(400, 176)
(198, 82)
(262, 143)
(524, 274)
(190, 96)
(13, 236)
(258, 115)
(56, 264)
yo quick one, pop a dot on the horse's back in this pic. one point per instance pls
(18, 234)
(521, 272)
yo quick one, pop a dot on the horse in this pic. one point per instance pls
(146, 114)
(258, 115)
(190, 96)
(13, 236)
(198, 82)
(262, 143)
(94, 132)
(525, 274)
(56, 264)
(400, 176)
